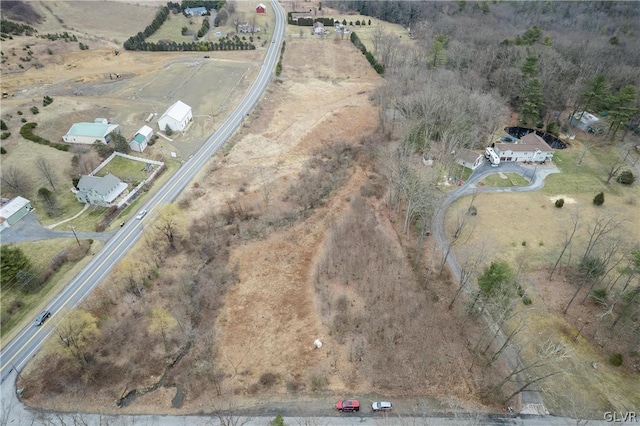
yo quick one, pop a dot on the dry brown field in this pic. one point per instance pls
(386, 330)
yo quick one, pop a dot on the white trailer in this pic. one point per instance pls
(491, 155)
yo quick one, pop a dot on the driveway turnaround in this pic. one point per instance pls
(29, 229)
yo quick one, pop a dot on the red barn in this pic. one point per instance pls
(261, 8)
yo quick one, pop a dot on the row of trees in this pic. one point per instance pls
(372, 60)
(196, 46)
(133, 42)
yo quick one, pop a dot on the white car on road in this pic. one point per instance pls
(141, 214)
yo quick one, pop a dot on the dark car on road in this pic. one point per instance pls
(41, 318)
(348, 405)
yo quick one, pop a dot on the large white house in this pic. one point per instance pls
(530, 147)
(88, 133)
(100, 191)
(177, 117)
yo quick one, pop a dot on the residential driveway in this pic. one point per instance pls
(29, 229)
(531, 400)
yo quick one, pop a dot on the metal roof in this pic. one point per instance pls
(177, 111)
(12, 207)
(96, 130)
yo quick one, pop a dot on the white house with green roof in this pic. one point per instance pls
(88, 133)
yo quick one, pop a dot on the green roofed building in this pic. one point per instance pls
(88, 133)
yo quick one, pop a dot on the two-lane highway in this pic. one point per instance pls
(18, 352)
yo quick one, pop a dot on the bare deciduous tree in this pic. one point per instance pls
(16, 180)
(47, 170)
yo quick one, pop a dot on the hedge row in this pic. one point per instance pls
(279, 64)
(372, 59)
(26, 132)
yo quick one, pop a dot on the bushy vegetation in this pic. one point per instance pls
(372, 59)
(559, 202)
(26, 131)
(279, 64)
(204, 28)
(64, 36)
(12, 261)
(626, 177)
(598, 200)
(13, 28)
(616, 360)
(47, 100)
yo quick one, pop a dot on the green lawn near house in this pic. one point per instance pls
(129, 171)
(504, 180)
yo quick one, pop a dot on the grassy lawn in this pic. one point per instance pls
(87, 221)
(504, 180)
(589, 177)
(129, 171)
(40, 253)
(245, 12)
(462, 172)
(172, 28)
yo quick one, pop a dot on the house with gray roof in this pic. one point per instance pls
(469, 158)
(99, 191)
(530, 147)
(88, 133)
(195, 11)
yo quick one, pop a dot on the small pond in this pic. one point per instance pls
(519, 132)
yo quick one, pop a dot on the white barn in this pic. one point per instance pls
(177, 117)
(88, 133)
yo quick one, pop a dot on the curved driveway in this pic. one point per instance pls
(531, 400)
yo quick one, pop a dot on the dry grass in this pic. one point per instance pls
(526, 229)
(118, 21)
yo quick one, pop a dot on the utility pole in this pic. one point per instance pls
(73, 228)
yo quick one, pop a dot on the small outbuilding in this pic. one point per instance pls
(469, 159)
(141, 139)
(88, 133)
(13, 211)
(585, 121)
(177, 117)
(261, 8)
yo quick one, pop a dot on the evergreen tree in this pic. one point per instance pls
(530, 68)
(598, 200)
(532, 103)
(495, 275)
(12, 261)
(597, 95)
